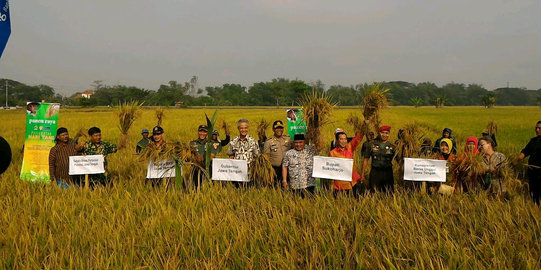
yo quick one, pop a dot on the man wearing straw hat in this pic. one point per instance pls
(276, 147)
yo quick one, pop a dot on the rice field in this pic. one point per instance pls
(131, 225)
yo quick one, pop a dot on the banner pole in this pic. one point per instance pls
(87, 184)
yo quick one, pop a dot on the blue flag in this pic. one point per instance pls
(5, 25)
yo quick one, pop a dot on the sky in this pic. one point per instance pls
(68, 44)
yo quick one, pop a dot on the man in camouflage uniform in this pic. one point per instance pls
(98, 147)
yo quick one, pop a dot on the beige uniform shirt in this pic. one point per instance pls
(277, 148)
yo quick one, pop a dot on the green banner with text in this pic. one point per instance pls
(41, 125)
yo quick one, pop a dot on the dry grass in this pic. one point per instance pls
(127, 113)
(131, 225)
(160, 115)
(261, 171)
(317, 109)
(374, 100)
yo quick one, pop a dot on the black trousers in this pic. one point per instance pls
(534, 177)
(382, 179)
(278, 178)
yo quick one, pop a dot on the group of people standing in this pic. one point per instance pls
(292, 158)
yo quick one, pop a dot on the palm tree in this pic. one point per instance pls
(416, 101)
(489, 100)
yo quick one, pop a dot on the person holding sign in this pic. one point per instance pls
(98, 147)
(297, 166)
(276, 147)
(533, 150)
(345, 149)
(445, 154)
(494, 162)
(381, 152)
(243, 146)
(59, 157)
(157, 146)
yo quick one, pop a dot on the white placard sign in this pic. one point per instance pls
(333, 168)
(92, 164)
(224, 169)
(161, 169)
(430, 170)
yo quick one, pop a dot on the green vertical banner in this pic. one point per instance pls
(295, 122)
(41, 125)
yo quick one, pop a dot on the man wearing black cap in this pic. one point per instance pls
(59, 156)
(297, 167)
(200, 144)
(157, 140)
(157, 144)
(276, 147)
(98, 147)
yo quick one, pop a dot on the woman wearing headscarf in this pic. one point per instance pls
(445, 154)
(447, 133)
(462, 169)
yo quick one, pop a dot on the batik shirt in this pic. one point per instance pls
(299, 167)
(247, 150)
(104, 148)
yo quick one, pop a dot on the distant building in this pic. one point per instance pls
(179, 104)
(85, 94)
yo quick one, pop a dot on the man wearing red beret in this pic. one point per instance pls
(381, 152)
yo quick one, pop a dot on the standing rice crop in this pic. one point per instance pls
(127, 113)
(317, 109)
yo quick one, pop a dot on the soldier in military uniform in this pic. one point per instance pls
(382, 152)
(276, 147)
(200, 146)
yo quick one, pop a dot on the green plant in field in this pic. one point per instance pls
(416, 101)
(489, 100)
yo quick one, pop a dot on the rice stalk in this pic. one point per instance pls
(492, 128)
(261, 171)
(374, 100)
(127, 113)
(160, 115)
(317, 108)
(262, 127)
(226, 127)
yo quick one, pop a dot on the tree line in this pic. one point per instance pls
(277, 92)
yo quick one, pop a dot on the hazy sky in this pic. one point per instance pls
(70, 43)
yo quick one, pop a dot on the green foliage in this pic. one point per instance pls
(416, 101)
(489, 99)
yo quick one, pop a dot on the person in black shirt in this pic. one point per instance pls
(533, 150)
(447, 133)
